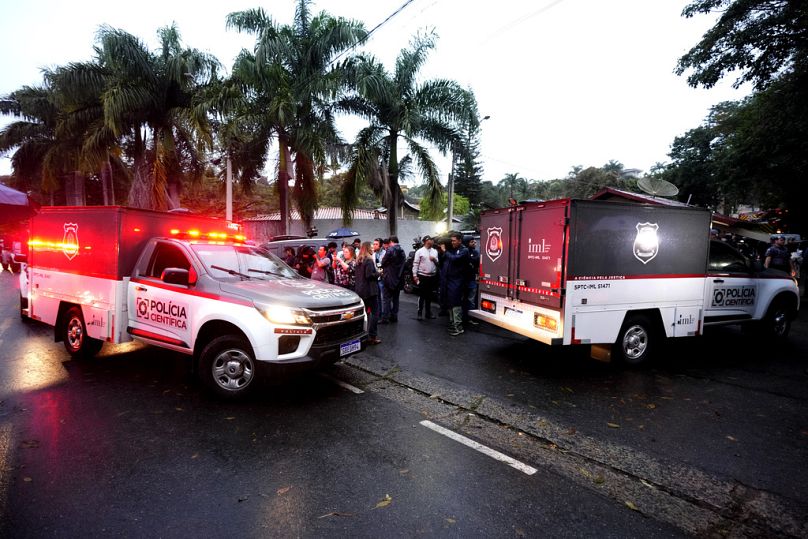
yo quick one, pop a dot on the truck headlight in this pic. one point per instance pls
(278, 314)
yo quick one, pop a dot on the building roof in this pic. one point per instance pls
(608, 193)
(321, 213)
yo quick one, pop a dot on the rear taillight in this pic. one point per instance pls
(489, 306)
(545, 322)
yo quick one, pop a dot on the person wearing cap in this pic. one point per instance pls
(778, 257)
(425, 275)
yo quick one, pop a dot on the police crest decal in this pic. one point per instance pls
(493, 245)
(646, 243)
(70, 241)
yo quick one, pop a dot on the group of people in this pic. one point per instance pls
(371, 269)
(375, 271)
(452, 269)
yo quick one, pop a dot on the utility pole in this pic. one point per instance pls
(228, 212)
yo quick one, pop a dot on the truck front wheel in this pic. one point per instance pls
(227, 366)
(635, 341)
(74, 335)
(777, 322)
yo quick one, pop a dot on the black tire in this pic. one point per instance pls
(74, 335)
(777, 322)
(227, 366)
(636, 341)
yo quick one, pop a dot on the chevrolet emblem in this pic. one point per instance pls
(347, 316)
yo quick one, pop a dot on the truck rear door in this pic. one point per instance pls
(497, 256)
(539, 248)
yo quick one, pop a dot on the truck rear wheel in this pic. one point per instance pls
(636, 341)
(74, 335)
(227, 366)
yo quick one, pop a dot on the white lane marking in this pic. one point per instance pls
(340, 383)
(494, 454)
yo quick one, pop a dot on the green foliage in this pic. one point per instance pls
(436, 212)
(288, 87)
(753, 152)
(760, 38)
(400, 109)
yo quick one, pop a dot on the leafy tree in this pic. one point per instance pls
(760, 38)
(38, 151)
(399, 108)
(514, 186)
(466, 168)
(753, 151)
(289, 83)
(431, 212)
(148, 109)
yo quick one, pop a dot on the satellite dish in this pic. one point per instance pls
(657, 187)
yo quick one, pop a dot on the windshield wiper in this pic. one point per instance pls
(230, 271)
(268, 272)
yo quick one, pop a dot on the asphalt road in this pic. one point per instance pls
(711, 441)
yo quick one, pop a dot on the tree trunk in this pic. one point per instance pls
(105, 181)
(284, 166)
(140, 193)
(305, 190)
(392, 178)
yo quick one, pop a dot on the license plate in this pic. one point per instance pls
(513, 313)
(350, 347)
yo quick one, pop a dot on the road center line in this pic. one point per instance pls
(494, 454)
(340, 383)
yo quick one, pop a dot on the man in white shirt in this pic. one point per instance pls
(425, 275)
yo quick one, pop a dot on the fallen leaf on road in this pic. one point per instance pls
(284, 490)
(451, 521)
(30, 444)
(650, 406)
(599, 479)
(631, 506)
(177, 408)
(647, 484)
(613, 425)
(230, 418)
(243, 499)
(732, 439)
(405, 471)
(384, 502)
(567, 389)
(336, 514)
(27, 479)
(195, 455)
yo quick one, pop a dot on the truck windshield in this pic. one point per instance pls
(237, 262)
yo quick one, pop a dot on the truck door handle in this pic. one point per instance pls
(718, 280)
(144, 289)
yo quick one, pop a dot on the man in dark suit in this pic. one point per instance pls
(392, 279)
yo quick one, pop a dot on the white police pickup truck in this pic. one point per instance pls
(113, 274)
(620, 277)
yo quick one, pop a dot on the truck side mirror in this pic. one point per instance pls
(175, 276)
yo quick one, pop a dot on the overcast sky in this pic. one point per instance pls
(565, 82)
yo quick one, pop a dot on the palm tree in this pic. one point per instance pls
(44, 151)
(150, 110)
(291, 79)
(399, 108)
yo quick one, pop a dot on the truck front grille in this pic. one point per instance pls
(339, 333)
